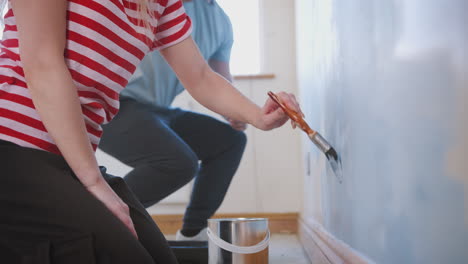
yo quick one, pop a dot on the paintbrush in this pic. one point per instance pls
(319, 141)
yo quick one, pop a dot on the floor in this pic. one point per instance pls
(284, 249)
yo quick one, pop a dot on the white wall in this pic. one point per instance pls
(269, 178)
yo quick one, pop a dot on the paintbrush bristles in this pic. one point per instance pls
(331, 153)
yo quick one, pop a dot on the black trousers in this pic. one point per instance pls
(168, 147)
(47, 216)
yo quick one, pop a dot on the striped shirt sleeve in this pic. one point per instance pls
(173, 27)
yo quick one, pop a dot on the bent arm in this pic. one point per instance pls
(207, 87)
(42, 38)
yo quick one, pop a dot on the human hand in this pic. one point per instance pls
(237, 125)
(104, 193)
(272, 116)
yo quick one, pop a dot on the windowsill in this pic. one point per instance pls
(254, 76)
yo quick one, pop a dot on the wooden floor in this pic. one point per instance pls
(277, 222)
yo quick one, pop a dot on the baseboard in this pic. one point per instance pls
(278, 222)
(323, 247)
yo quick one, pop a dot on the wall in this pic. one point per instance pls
(386, 83)
(269, 178)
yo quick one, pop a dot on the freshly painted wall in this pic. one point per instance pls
(386, 83)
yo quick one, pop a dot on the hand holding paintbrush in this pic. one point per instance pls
(296, 118)
(319, 141)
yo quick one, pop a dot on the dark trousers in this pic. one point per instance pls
(164, 146)
(47, 216)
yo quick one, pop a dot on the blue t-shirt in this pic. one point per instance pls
(154, 81)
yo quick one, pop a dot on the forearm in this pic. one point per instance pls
(218, 95)
(207, 87)
(56, 100)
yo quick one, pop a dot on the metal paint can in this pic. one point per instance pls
(238, 241)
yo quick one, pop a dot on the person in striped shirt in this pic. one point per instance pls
(62, 67)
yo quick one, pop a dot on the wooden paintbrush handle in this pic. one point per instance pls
(293, 115)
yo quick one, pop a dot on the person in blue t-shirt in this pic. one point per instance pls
(164, 145)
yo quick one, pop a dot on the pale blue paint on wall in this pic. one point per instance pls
(384, 82)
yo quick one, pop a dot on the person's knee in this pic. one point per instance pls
(174, 170)
(239, 140)
(189, 166)
(185, 166)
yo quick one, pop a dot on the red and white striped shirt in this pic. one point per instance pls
(105, 43)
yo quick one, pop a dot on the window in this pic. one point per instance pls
(245, 19)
